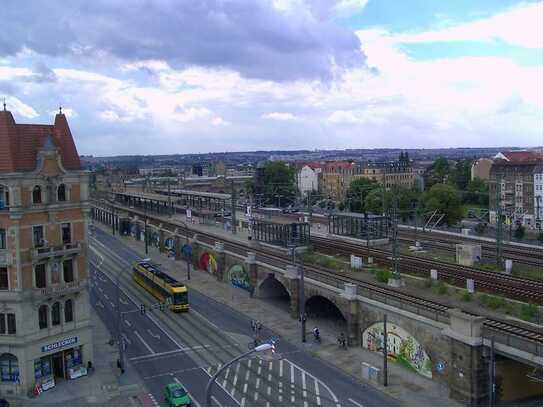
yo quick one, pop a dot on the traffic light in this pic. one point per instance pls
(142, 309)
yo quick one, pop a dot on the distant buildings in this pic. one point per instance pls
(516, 185)
(308, 178)
(45, 328)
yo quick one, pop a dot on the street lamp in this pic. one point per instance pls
(260, 348)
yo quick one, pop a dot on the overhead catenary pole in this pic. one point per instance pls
(499, 225)
(385, 351)
(491, 375)
(302, 299)
(234, 207)
(145, 229)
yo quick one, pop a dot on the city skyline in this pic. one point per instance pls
(278, 75)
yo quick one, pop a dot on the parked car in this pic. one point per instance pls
(176, 395)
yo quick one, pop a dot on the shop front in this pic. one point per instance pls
(63, 360)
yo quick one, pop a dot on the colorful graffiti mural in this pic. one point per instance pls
(402, 347)
(239, 277)
(208, 262)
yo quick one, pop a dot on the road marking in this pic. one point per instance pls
(317, 392)
(153, 400)
(100, 289)
(123, 301)
(292, 384)
(106, 296)
(156, 336)
(281, 381)
(320, 381)
(127, 322)
(112, 305)
(270, 367)
(304, 389)
(225, 377)
(99, 304)
(144, 343)
(235, 380)
(246, 383)
(192, 399)
(128, 341)
(355, 403)
(213, 398)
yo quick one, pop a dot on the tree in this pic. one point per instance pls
(437, 173)
(461, 175)
(476, 192)
(445, 199)
(357, 192)
(520, 231)
(407, 200)
(374, 200)
(279, 183)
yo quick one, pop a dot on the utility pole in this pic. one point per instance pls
(396, 270)
(491, 375)
(120, 339)
(234, 208)
(145, 230)
(302, 297)
(499, 225)
(385, 352)
(169, 199)
(113, 220)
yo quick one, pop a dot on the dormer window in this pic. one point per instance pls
(36, 195)
(61, 193)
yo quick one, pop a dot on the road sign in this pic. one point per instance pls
(440, 366)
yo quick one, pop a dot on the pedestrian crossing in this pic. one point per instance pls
(268, 383)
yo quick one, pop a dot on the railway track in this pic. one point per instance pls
(333, 278)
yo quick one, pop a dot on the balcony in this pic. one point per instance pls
(59, 290)
(41, 253)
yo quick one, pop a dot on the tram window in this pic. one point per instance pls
(180, 298)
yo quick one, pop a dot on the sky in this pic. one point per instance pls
(176, 77)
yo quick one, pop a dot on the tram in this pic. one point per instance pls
(161, 285)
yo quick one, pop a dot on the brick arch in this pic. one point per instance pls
(328, 299)
(267, 283)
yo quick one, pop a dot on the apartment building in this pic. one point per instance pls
(518, 175)
(336, 179)
(308, 178)
(45, 329)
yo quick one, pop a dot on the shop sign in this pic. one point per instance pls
(59, 344)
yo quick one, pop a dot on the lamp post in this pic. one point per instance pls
(259, 348)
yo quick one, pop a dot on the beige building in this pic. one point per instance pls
(45, 328)
(336, 179)
(481, 169)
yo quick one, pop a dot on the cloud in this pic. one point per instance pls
(347, 7)
(279, 116)
(219, 121)
(18, 107)
(69, 113)
(187, 114)
(252, 37)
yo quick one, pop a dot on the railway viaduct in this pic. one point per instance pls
(451, 346)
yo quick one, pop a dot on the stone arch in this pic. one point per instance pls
(239, 277)
(208, 262)
(271, 287)
(320, 307)
(402, 347)
(10, 367)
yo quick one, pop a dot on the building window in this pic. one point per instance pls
(41, 275)
(12, 328)
(61, 193)
(37, 235)
(9, 368)
(4, 197)
(68, 268)
(55, 273)
(36, 194)
(42, 316)
(3, 243)
(55, 313)
(68, 311)
(4, 281)
(66, 233)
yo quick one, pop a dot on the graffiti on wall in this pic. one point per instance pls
(208, 263)
(239, 277)
(402, 347)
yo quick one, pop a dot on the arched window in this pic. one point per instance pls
(43, 316)
(68, 311)
(55, 311)
(61, 193)
(4, 197)
(9, 368)
(36, 194)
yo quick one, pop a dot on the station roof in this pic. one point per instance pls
(197, 193)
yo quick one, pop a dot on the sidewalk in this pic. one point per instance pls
(103, 387)
(407, 387)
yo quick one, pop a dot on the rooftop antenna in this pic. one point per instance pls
(4, 104)
(59, 108)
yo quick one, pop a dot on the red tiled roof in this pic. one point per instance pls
(522, 156)
(20, 143)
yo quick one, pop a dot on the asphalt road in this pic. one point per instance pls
(165, 347)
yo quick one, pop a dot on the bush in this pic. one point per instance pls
(520, 231)
(528, 311)
(492, 302)
(428, 282)
(442, 288)
(383, 276)
(466, 297)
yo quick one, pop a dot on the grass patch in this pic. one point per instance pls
(492, 302)
(441, 288)
(324, 260)
(383, 276)
(466, 297)
(528, 312)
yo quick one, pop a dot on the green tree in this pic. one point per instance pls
(374, 200)
(520, 231)
(437, 173)
(279, 183)
(445, 199)
(357, 192)
(407, 200)
(476, 192)
(461, 175)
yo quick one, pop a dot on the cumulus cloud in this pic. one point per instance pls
(252, 37)
(219, 121)
(279, 116)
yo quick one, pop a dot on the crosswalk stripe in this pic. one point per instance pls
(292, 385)
(304, 389)
(317, 392)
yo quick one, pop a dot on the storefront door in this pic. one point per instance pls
(58, 365)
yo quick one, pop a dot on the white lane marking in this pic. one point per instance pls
(112, 305)
(99, 304)
(270, 367)
(106, 296)
(155, 403)
(123, 301)
(320, 381)
(317, 392)
(304, 389)
(156, 336)
(226, 377)
(213, 398)
(292, 384)
(355, 403)
(235, 380)
(144, 343)
(246, 382)
(192, 399)
(160, 354)
(100, 289)
(259, 370)
(281, 381)
(128, 341)
(127, 322)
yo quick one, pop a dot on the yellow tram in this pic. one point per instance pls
(161, 285)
